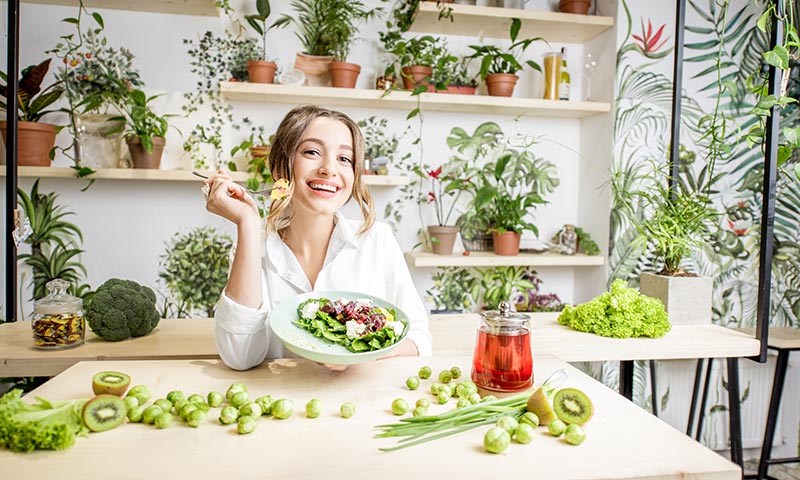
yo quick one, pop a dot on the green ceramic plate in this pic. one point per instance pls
(306, 345)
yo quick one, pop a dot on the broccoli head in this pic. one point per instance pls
(621, 313)
(122, 309)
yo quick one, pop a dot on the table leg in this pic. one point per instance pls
(698, 372)
(734, 417)
(653, 389)
(772, 416)
(626, 378)
(702, 414)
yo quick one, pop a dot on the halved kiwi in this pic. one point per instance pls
(104, 412)
(112, 383)
(540, 405)
(573, 406)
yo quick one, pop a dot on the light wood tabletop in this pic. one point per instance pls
(623, 441)
(453, 335)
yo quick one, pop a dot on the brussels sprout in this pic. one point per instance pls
(435, 387)
(445, 376)
(446, 389)
(246, 424)
(399, 406)
(348, 409)
(215, 399)
(282, 408)
(165, 404)
(496, 440)
(463, 402)
(135, 414)
(195, 418)
(228, 415)
(150, 413)
(251, 409)
(313, 407)
(201, 406)
(236, 387)
(419, 412)
(412, 383)
(488, 398)
(179, 404)
(509, 423)
(196, 398)
(131, 402)
(574, 435)
(442, 397)
(238, 399)
(524, 433)
(266, 404)
(423, 403)
(530, 418)
(455, 372)
(466, 389)
(164, 420)
(175, 395)
(142, 392)
(556, 428)
(475, 398)
(188, 408)
(425, 372)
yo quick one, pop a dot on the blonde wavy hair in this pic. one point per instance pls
(281, 164)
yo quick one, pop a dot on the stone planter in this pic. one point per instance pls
(687, 299)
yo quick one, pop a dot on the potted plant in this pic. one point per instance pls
(145, 131)
(451, 75)
(531, 300)
(240, 52)
(322, 27)
(260, 70)
(35, 138)
(581, 7)
(381, 149)
(499, 284)
(499, 66)
(417, 56)
(454, 290)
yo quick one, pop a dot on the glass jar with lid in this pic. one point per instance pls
(502, 361)
(58, 320)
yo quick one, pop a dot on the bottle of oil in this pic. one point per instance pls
(563, 84)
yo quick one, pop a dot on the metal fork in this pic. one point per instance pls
(251, 192)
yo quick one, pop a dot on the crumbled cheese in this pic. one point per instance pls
(398, 327)
(310, 310)
(354, 329)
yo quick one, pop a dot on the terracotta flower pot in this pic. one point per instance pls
(141, 157)
(507, 243)
(315, 68)
(260, 151)
(501, 84)
(580, 7)
(34, 142)
(445, 237)
(260, 71)
(343, 74)
(458, 90)
(413, 76)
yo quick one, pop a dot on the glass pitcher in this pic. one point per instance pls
(502, 360)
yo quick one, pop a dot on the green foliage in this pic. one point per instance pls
(43, 425)
(423, 50)
(258, 22)
(328, 27)
(195, 268)
(378, 142)
(32, 99)
(620, 313)
(500, 283)
(122, 309)
(54, 241)
(140, 120)
(454, 289)
(451, 70)
(497, 60)
(240, 52)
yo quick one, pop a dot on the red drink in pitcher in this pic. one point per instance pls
(503, 362)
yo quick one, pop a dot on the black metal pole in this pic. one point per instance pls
(11, 158)
(734, 414)
(772, 417)
(768, 196)
(677, 90)
(698, 374)
(626, 378)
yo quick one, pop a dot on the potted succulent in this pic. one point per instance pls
(261, 70)
(499, 67)
(35, 138)
(322, 25)
(145, 131)
(417, 56)
(454, 290)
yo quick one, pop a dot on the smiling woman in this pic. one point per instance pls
(309, 245)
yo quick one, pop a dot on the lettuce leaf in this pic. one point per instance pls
(43, 425)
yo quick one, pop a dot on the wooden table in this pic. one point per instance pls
(623, 441)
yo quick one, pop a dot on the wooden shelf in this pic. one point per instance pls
(489, 259)
(437, 102)
(495, 22)
(204, 8)
(169, 175)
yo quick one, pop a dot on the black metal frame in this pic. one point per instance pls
(11, 158)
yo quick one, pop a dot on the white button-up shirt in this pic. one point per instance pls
(372, 263)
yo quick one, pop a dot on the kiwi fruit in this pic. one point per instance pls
(540, 405)
(104, 412)
(573, 406)
(111, 383)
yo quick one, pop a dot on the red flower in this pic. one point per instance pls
(88, 56)
(435, 173)
(431, 196)
(648, 40)
(737, 228)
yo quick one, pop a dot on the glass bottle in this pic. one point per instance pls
(58, 320)
(502, 361)
(569, 239)
(552, 75)
(563, 84)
